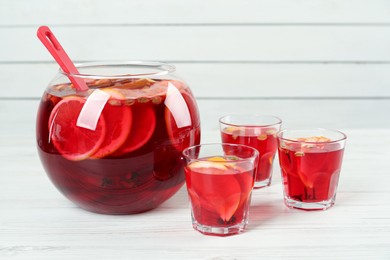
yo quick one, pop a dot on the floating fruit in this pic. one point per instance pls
(118, 126)
(207, 167)
(183, 122)
(220, 195)
(144, 123)
(73, 142)
(317, 139)
(262, 137)
(265, 165)
(234, 131)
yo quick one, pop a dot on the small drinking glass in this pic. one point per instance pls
(220, 179)
(310, 161)
(257, 131)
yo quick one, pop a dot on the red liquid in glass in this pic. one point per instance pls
(220, 197)
(264, 140)
(310, 174)
(132, 162)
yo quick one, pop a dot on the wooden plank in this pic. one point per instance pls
(73, 12)
(204, 43)
(339, 114)
(240, 80)
(39, 223)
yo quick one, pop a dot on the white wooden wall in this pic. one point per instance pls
(311, 62)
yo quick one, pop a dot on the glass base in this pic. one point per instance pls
(320, 205)
(220, 231)
(262, 184)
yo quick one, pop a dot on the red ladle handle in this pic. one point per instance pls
(54, 47)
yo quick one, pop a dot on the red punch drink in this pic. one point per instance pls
(310, 169)
(220, 193)
(219, 188)
(256, 131)
(117, 148)
(264, 140)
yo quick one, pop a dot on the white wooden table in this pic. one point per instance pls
(37, 222)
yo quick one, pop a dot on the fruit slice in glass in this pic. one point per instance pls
(181, 136)
(144, 123)
(73, 142)
(118, 119)
(310, 145)
(216, 187)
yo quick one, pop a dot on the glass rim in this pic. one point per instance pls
(255, 154)
(278, 120)
(280, 137)
(161, 69)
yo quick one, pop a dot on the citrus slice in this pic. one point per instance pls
(234, 131)
(118, 119)
(265, 165)
(262, 137)
(225, 204)
(216, 159)
(144, 123)
(183, 137)
(207, 167)
(221, 192)
(223, 195)
(317, 139)
(195, 201)
(215, 165)
(73, 142)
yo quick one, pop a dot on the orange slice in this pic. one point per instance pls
(216, 159)
(118, 119)
(316, 142)
(227, 204)
(215, 165)
(73, 142)
(183, 137)
(234, 131)
(207, 166)
(220, 193)
(316, 139)
(266, 160)
(262, 137)
(144, 123)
